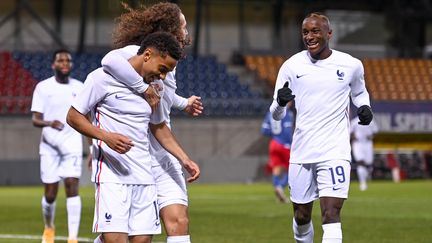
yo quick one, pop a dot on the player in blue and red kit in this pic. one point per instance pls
(279, 150)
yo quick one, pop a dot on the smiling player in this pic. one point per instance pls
(321, 81)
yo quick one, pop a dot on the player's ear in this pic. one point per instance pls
(147, 54)
(330, 33)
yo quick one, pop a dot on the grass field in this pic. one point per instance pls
(236, 213)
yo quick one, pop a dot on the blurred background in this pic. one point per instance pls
(238, 47)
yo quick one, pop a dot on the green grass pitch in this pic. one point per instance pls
(236, 213)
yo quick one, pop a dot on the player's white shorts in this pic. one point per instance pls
(126, 208)
(363, 152)
(309, 182)
(54, 168)
(170, 181)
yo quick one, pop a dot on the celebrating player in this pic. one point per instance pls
(321, 81)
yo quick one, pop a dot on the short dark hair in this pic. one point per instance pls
(320, 16)
(59, 51)
(164, 42)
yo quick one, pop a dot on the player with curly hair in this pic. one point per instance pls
(131, 28)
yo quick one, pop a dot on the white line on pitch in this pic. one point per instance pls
(38, 237)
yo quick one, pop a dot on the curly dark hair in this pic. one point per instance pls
(133, 26)
(164, 42)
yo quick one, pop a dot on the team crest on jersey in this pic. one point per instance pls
(340, 74)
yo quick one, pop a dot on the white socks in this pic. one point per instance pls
(303, 233)
(332, 233)
(48, 212)
(179, 239)
(73, 205)
(362, 174)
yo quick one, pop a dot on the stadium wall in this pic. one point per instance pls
(228, 150)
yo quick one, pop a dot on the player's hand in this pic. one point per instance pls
(151, 95)
(194, 106)
(365, 115)
(192, 168)
(284, 95)
(58, 125)
(118, 142)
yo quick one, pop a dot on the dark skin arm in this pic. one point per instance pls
(165, 137)
(90, 143)
(38, 121)
(117, 142)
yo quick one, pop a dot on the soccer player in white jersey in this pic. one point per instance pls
(60, 146)
(170, 182)
(126, 204)
(362, 150)
(321, 82)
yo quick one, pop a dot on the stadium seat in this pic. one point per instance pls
(397, 79)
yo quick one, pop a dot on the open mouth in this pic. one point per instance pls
(312, 45)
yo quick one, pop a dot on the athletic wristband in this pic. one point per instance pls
(91, 149)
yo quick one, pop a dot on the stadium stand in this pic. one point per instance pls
(387, 79)
(266, 66)
(16, 86)
(222, 93)
(399, 79)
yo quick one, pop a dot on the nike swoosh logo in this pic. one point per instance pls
(336, 188)
(119, 96)
(299, 76)
(157, 223)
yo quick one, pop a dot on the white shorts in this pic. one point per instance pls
(126, 208)
(309, 182)
(170, 181)
(54, 168)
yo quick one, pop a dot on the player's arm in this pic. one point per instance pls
(360, 96)
(192, 105)
(116, 63)
(90, 143)
(117, 142)
(165, 138)
(37, 108)
(91, 94)
(282, 94)
(38, 121)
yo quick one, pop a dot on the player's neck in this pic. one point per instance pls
(62, 79)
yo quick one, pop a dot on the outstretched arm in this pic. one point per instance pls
(165, 137)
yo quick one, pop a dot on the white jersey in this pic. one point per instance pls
(323, 89)
(54, 99)
(116, 108)
(169, 99)
(362, 143)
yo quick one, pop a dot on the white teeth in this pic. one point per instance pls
(312, 44)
